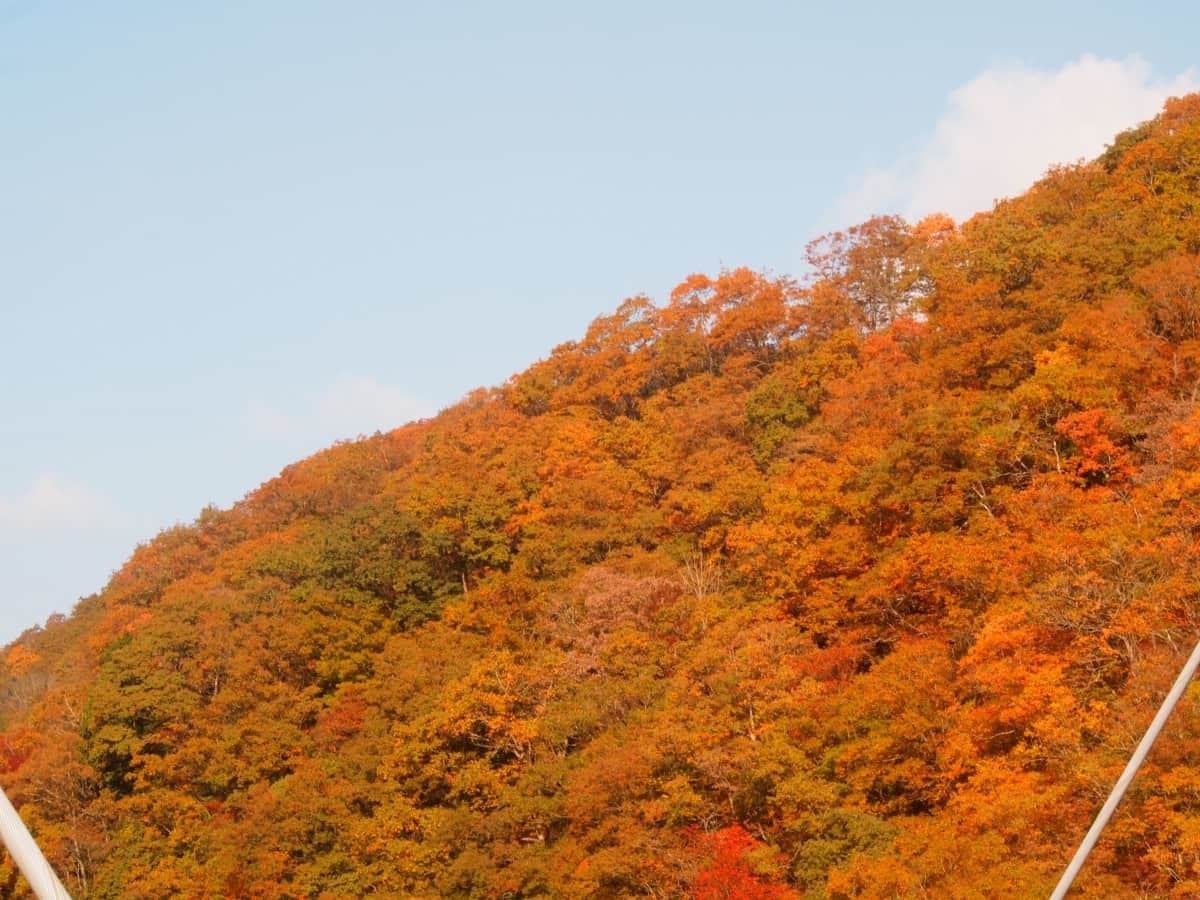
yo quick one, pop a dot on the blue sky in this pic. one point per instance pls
(233, 233)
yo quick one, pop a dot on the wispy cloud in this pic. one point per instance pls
(351, 405)
(54, 502)
(1004, 128)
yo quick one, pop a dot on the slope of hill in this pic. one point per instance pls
(860, 586)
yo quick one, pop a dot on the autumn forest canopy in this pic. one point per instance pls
(862, 584)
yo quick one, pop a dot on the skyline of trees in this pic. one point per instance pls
(856, 585)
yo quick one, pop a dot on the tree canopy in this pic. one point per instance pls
(861, 584)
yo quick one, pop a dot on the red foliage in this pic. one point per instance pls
(728, 874)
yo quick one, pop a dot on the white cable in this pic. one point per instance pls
(1135, 761)
(27, 855)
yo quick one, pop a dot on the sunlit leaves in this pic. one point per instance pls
(856, 586)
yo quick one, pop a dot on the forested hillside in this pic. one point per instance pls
(860, 585)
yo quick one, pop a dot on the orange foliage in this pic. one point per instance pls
(856, 586)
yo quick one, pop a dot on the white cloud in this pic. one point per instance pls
(350, 406)
(1004, 128)
(53, 502)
